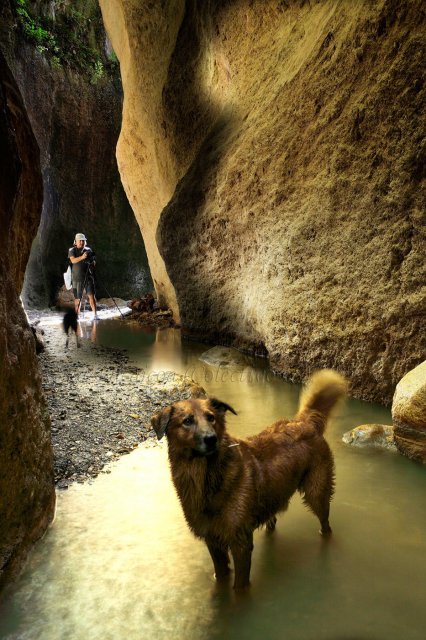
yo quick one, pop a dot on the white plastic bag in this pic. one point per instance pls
(67, 278)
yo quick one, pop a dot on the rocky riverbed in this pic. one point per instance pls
(100, 404)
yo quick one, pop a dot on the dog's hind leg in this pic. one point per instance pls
(220, 558)
(241, 552)
(317, 487)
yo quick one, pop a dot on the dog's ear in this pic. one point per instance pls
(221, 407)
(161, 420)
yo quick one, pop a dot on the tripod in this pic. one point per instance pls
(110, 296)
(84, 287)
(90, 272)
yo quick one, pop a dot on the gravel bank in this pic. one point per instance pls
(100, 405)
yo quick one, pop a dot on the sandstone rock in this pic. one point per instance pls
(27, 494)
(278, 167)
(148, 169)
(146, 303)
(160, 319)
(64, 298)
(409, 414)
(371, 435)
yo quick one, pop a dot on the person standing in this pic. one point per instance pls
(83, 260)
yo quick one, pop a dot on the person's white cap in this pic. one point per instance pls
(80, 236)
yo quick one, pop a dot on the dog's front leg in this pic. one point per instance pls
(241, 552)
(220, 558)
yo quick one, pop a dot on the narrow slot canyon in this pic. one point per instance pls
(251, 175)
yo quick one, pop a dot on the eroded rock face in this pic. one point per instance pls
(281, 145)
(76, 124)
(144, 38)
(27, 494)
(409, 414)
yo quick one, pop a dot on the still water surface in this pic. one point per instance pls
(119, 561)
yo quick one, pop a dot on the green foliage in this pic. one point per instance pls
(32, 29)
(97, 73)
(65, 41)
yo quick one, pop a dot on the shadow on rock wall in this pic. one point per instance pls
(308, 235)
(76, 123)
(27, 495)
(181, 223)
(77, 134)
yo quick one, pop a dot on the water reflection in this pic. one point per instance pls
(87, 330)
(119, 561)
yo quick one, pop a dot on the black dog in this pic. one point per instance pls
(70, 323)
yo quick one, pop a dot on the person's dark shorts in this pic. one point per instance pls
(78, 286)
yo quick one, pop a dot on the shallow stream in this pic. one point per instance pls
(120, 562)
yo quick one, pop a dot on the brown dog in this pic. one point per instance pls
(228, 487)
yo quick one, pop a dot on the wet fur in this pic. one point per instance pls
(70, 325)
(228, 486)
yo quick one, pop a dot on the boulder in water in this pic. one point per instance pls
(409, 414)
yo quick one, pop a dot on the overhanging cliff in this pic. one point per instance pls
(274, 155)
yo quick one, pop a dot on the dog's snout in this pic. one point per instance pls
(210, 440)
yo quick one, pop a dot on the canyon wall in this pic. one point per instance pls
(27, 495)
(71, 87)
(143, 36)
(274, 155)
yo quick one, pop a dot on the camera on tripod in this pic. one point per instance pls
(91, 257)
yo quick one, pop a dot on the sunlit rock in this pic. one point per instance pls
(409, 414)
(270, 151)
(150, 156)
(371, 435)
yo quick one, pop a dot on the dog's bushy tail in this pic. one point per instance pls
(320, 395)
